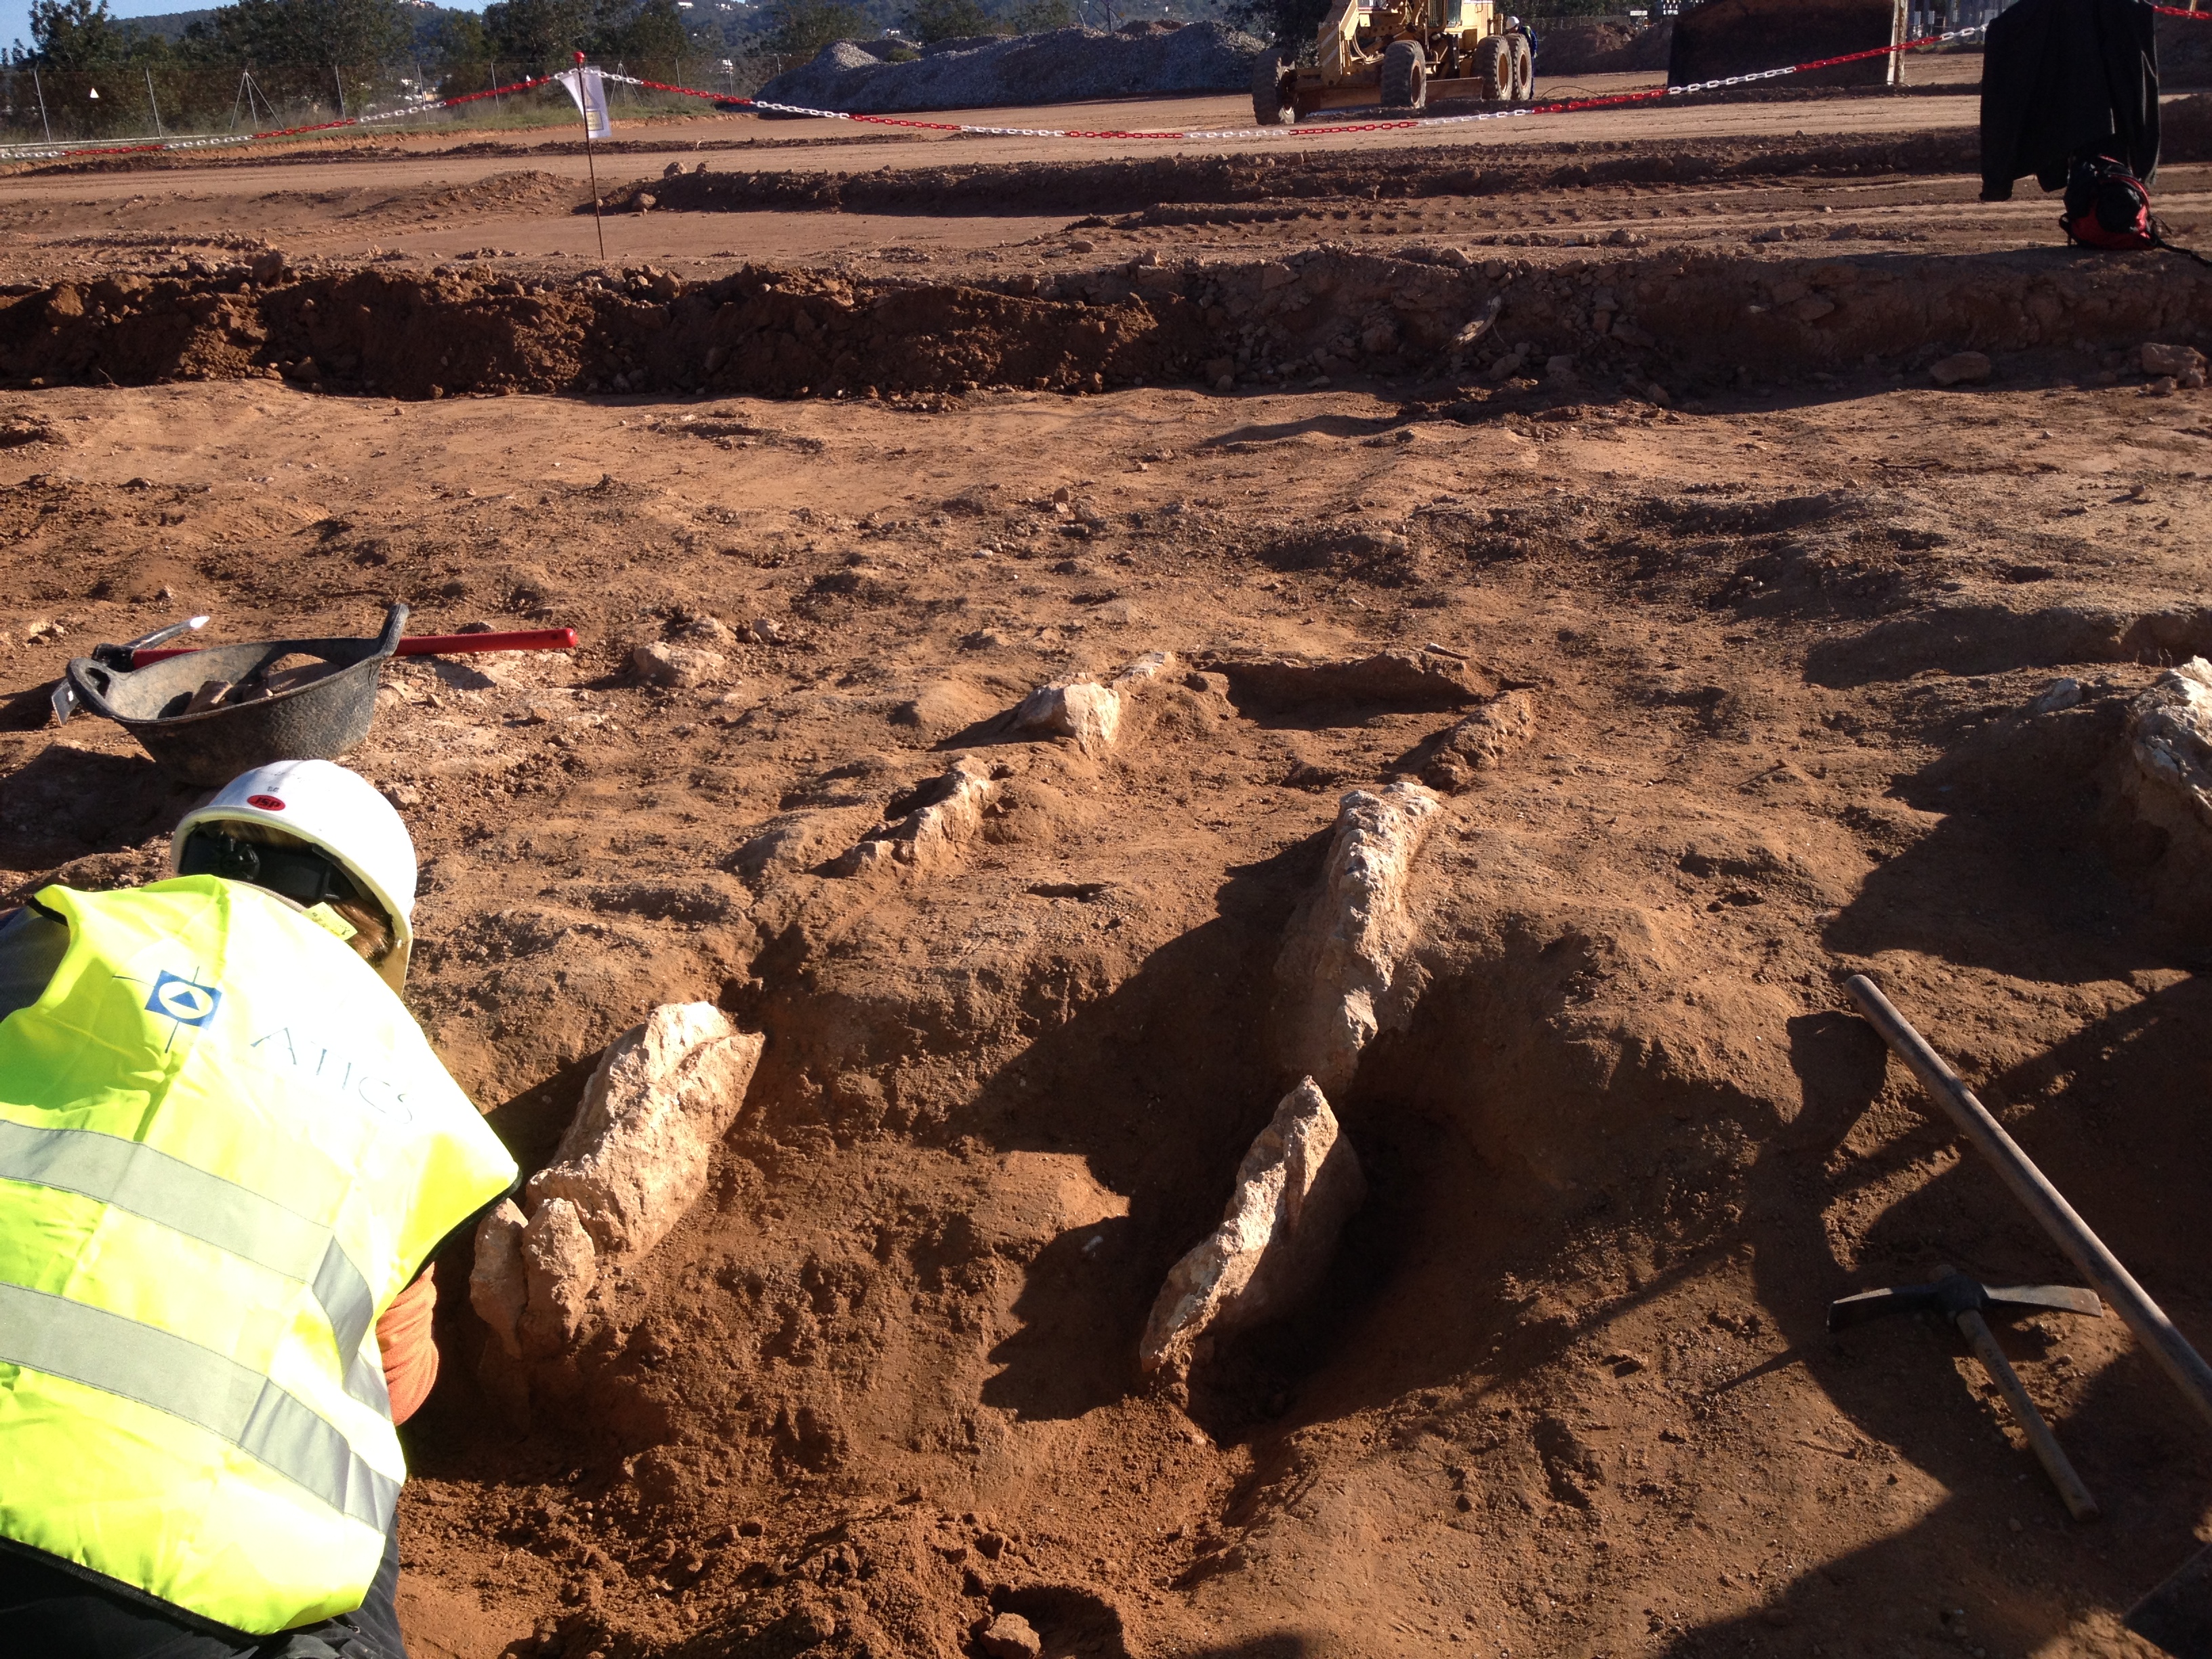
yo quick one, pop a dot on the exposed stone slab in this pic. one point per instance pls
(1484, 740)
(950, 812)
(1342, 967)
(1297, 1185)
(633, 1161)
(635, 1155)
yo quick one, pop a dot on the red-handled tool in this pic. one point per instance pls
(431, 644)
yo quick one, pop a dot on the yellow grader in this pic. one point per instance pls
(1397, 53)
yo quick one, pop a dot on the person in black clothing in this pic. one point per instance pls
(2065, 81)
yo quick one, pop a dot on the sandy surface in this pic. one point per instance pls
(1566, 1390)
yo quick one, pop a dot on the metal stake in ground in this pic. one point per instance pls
(581, 88)
(1966, 1302)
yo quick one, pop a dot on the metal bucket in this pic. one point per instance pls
(321, 720)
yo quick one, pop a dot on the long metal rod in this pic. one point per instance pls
(2044, 1201)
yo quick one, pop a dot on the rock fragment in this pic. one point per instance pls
(948, 813)
(1085, 710)
(1298, 1183)
(1081, 710)
(1961, 369)
(2061, 694)
(2185, 364)
(1010, 1635)
(1421, 678)
(498, 1288)
(1342, 970)
(1485, 739)
(677, 665)
(560, 1267)
(2169, 756)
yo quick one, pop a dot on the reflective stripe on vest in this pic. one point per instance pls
(137, 1178)
(116, 1355)
(224, 1147)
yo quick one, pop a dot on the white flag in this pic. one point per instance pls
(589, 88)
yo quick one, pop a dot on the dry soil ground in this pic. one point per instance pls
(1568, 1392)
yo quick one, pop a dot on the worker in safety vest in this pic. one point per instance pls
(227, 1153)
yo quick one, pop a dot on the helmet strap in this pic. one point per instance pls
(301, 875)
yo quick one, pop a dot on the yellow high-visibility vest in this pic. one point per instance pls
(225, 1146)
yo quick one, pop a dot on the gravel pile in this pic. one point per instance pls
(1064, 66)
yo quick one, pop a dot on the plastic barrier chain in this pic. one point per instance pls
(1563, 108)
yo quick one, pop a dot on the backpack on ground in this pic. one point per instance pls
(2106, 206)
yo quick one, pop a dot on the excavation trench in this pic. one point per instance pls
(1682, 320)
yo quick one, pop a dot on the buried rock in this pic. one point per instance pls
(633, 1161)
(2167, 770)
(1342, 966)
(1484, 740)
(1085, 710)
(1297, 1185)
(1424, 677)
(944, 813)
(1010, 1635)
(1081, 710)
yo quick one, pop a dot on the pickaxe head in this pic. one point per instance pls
(1955, 1293)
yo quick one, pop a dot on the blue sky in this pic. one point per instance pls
(15, 15)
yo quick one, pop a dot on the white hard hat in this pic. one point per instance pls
(341, 813)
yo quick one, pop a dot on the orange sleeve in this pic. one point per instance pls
(410, 1351)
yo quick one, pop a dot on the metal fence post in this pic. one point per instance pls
(152, 103)
(38, 87)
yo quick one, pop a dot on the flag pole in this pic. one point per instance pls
(583, 97)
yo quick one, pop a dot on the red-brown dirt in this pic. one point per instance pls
(1568, 1391)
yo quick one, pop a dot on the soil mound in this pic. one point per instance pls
(787, 334)
(1575, 46)
(1746, 37)
(1063, 66)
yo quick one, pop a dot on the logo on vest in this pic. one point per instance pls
(183, 1001)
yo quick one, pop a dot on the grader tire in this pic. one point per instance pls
(1493, 68)
(1270, 103)
(1405, 75)
(1525, 69)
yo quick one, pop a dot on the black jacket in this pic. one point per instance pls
(2063, 76)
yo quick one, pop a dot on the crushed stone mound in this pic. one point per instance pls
(1064, 66)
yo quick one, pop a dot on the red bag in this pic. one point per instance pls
(2107, 207)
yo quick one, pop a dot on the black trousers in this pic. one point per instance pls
(53, 1613)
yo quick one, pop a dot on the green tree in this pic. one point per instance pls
(74, 35)
(449, 40)
(800, 29)
(541, 34)
(654, 30)
(301, 32)
(948, 20)
(1038, 16)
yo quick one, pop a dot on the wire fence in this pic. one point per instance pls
(131, 104)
